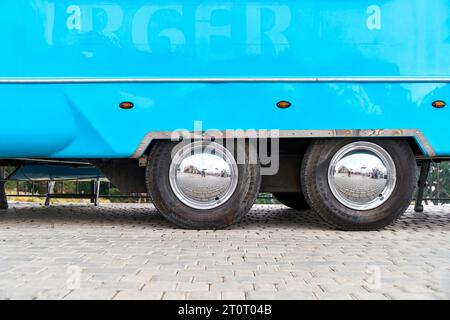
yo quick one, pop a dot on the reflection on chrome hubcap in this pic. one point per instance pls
(362, 175)
(203, 175)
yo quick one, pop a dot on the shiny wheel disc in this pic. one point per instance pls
(362, 175)
(203, 175)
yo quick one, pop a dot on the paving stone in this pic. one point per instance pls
(333, 296)
(91, 294)
(281, 295)
(232, 295)
(203, 295)
(361, 295)
(175, 295)
(138, 295)
(189, 287)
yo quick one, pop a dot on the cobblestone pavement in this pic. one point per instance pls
(130, 252)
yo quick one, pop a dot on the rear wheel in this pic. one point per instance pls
(359, 184)
(294, 200)
(200, 185)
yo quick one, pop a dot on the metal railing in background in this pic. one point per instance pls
(92, 190)
(437, 189)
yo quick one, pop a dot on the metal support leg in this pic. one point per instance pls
(50, 188)
(97, 191)
(3, 199)
(424, 171)
(93, 188)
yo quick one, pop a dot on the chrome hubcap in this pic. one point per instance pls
(362, 175)
(203, 175)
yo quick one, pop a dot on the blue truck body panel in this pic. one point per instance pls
(344, 65)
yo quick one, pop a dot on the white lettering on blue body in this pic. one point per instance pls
(140, 28)
(204, 28)
(282, 20)
(147, 28)
(47, 11)
(112, 12)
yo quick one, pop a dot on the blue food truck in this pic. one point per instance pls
(328, 104)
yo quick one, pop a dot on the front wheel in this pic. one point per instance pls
(200, 185)
(359, 184)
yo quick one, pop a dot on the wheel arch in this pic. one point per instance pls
(415, 138)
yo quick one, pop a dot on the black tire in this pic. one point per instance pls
(167, 203)
(314, 179)
(294, 200)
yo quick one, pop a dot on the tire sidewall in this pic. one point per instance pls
(378, 216)
(176, 211)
